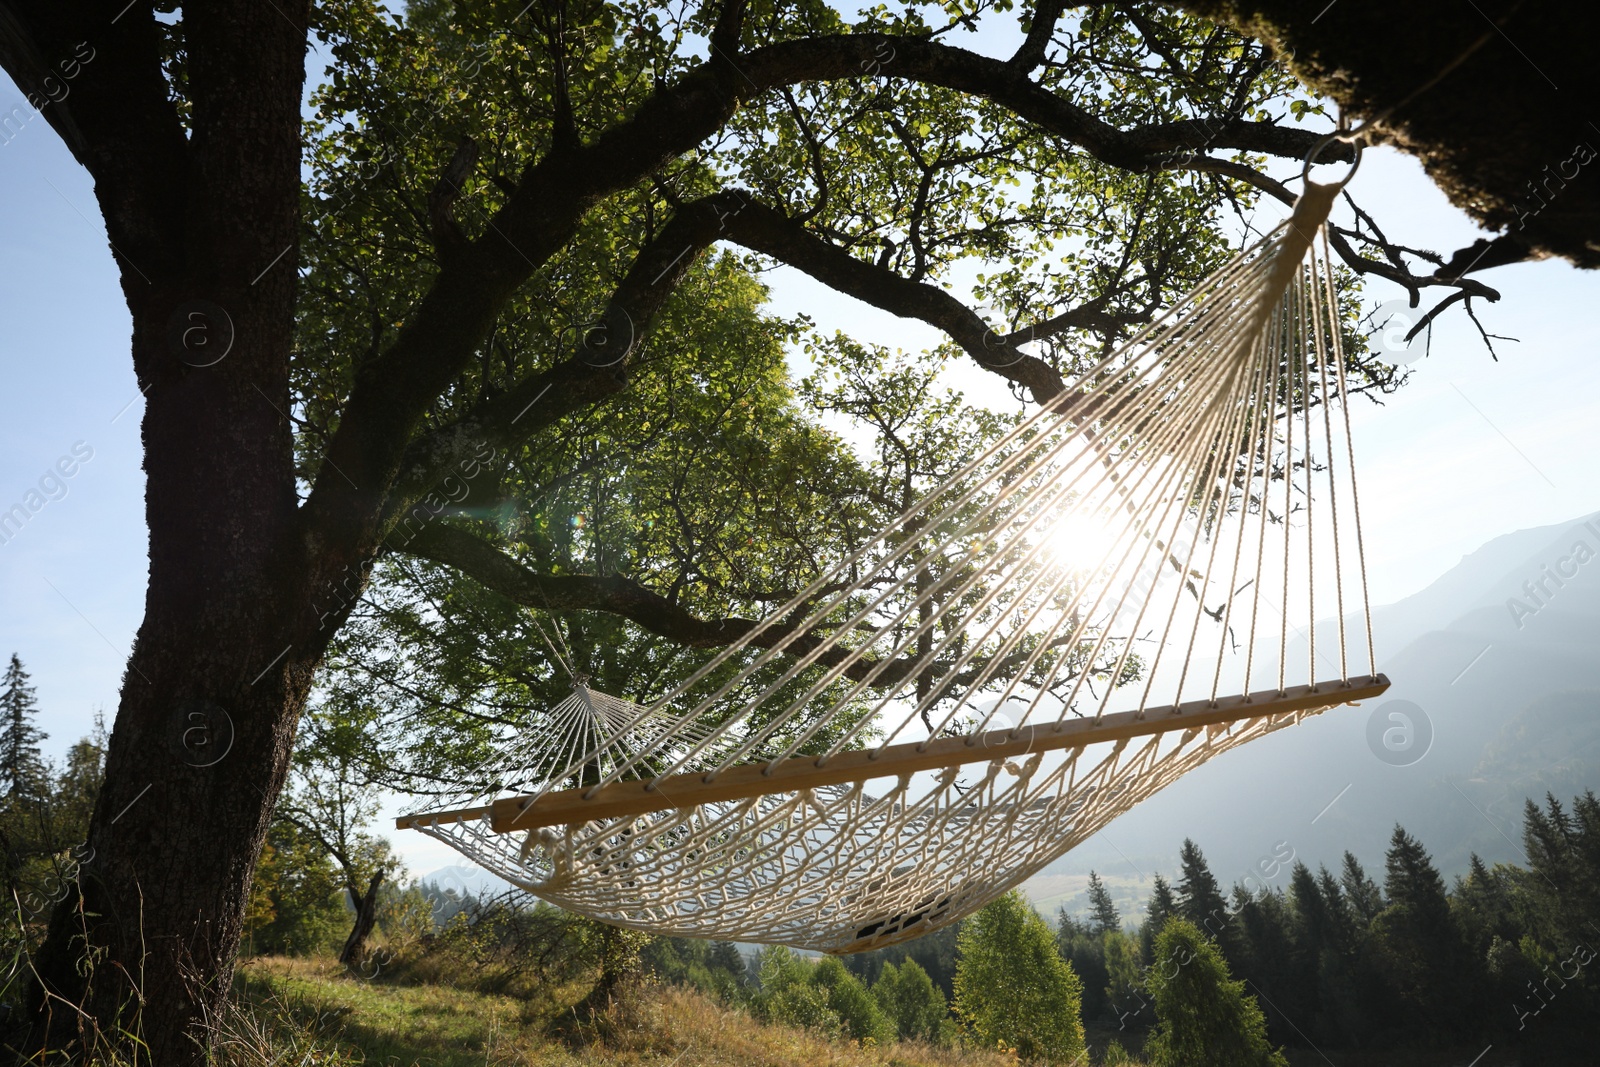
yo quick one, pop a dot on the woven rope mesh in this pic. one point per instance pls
(1147, 539)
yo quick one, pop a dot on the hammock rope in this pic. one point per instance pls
(988, 663)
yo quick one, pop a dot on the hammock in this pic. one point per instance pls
(1093, 606)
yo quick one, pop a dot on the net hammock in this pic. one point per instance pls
(1095, 605)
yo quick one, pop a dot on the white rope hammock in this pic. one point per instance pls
(1026, 653)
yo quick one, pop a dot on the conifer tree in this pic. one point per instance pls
(22, 769)
(1198, 894)
(1203, 1016)
(1161, 905)
(1427, 954)
(1361, 891)
(1102, 912)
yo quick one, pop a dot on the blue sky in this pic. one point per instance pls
(1469, 450)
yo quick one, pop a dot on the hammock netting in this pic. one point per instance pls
(1095, 605)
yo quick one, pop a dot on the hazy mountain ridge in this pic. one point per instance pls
(1513, 698)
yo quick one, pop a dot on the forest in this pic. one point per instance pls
(1399, 962)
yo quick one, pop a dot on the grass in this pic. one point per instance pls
(310, 1002)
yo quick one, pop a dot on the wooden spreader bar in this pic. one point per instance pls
(747, 780)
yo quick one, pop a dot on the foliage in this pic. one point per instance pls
(822, 996)
(911, 1001)
(1013, 987)
(1203, 1016)
(44, 826)
(860, 1015)
(713, 967)
(1101, 910)
(786, 994)
(296, 902)
(23, 772)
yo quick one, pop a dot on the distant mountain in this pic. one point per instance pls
(1501, 655)
(465, 880)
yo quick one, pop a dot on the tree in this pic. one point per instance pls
(1362, 892)
(1422, 90)
(331, 803)
(786, 994)
(22, 768)
(578, 160)
(295, 900)
(1426, 955)
(1199, 897)
(858, 1011)
(1101, 910)
(1202, 1014)
(1161, 905)
(1013, 987)
(911, 1001)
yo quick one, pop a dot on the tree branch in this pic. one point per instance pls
(1031, 53)
(616, 595)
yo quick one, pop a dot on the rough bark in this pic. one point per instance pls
(224, 656)
(1500, 133)
(354, 952)
(245, 588)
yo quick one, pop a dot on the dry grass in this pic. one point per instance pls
(309, 1007)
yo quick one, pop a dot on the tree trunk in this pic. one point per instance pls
(354, 953)
(204, 228)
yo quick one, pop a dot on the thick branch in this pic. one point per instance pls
(97, 82)
(481, 561)
(392, 392)
(764, 229)
(596, 370)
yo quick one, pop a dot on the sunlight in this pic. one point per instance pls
(1086, 539)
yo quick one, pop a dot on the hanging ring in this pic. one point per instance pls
(1345, 136)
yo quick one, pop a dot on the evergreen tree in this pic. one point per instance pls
(726, 957)
(1426, 955)
(1263, 947)
(1161, 905)
(1013, 987)
(1203, 1016)
(1361, 891)
(1102, 912)
(1082, 944)
(1199, 897)
(22, 769)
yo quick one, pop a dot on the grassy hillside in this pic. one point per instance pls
(307, 1012)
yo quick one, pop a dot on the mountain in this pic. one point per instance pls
(1496, 685)
(466, 880)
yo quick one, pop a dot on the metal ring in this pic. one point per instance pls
(1316, 150)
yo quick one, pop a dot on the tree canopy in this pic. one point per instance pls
(479, 341)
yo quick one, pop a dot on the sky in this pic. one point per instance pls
(1470, 449)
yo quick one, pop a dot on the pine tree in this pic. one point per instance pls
(1161, 905)
(1361, 891)
(1200, 898)
(1102, 912)
(22, 769)
(1427, 954)
(1203, 1016)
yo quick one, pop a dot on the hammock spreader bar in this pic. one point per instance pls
(639, 797)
